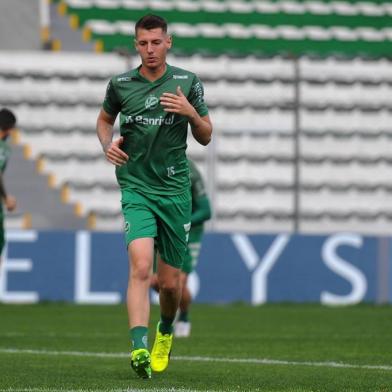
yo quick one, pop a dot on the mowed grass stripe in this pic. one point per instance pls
(102, 390)
(254, 361)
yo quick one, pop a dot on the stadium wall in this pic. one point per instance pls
(91, 267)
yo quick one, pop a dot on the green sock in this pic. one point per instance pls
(183, 316)
(166, 325)
(138, 336)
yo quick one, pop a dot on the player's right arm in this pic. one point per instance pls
(110, 147)
(111, 106)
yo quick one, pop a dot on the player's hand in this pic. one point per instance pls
(177, 103)
(114, 154)
(10, 203)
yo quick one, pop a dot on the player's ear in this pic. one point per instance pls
(169, 41)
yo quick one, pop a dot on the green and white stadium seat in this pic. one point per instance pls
(244, 27)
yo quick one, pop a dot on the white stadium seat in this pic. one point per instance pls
(345, 174)
(354, 146)
(64, 143)
(254, 173)
(55, 63)
(254, 202)
(248, 144)
(88, 171)
(96, 199)
(345, 201)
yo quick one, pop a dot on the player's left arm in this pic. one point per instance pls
(178, 103)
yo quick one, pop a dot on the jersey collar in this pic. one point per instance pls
(135, 73)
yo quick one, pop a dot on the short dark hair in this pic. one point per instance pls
(149, 22)
(7, 119)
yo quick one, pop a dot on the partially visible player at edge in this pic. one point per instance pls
(156, 102)
(7, 124)
(201, 212)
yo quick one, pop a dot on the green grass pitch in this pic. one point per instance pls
(59, 347)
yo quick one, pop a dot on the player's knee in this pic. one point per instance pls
(169, 290)
(170, 286)
(141, 271)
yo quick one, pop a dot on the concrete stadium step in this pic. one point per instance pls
(35, 197)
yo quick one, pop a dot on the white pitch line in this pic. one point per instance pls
(255, 361)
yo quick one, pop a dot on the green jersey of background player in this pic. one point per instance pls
(7, 124)
(156, 102)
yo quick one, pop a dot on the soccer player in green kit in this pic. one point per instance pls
(7, 124)
(156, 102)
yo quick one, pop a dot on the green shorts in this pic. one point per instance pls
(165, 218)
(193, 249)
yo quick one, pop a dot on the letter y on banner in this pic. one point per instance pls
(260, 267)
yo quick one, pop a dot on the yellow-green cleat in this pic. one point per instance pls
(161, 350)
(141, 362)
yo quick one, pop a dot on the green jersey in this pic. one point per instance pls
(154, 140)
(201, 210)
(5, 152)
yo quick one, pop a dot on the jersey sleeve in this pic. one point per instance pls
(111, 103)
(196, 97)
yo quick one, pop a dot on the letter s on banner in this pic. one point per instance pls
(344, 269)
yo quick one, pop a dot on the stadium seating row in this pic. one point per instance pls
(87, 65)
(252, 149)
(247, 93)
(231, 118)
(370, 8)
(221, 26)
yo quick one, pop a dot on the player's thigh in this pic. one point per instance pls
(140, 256)
(168, 275)
(173, 228)
(139, 218)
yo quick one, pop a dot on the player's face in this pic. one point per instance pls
(152, 46)
(5, 133)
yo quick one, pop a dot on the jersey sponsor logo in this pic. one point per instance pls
(198, 89)
(180, 76)
(151, 102)
(124, 79)
(167, 120)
